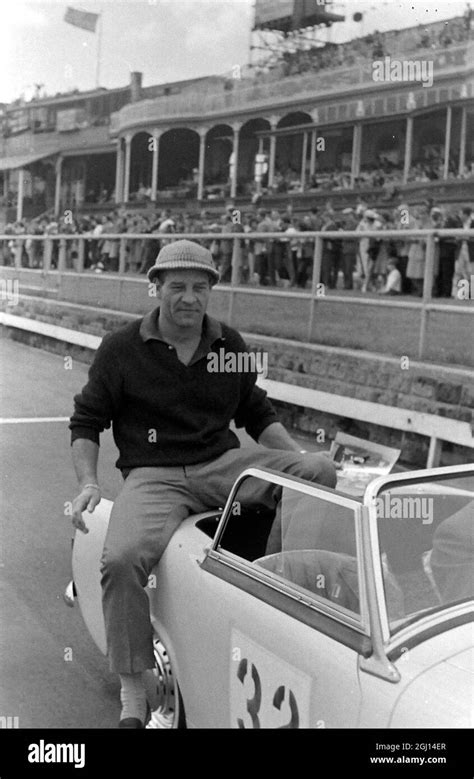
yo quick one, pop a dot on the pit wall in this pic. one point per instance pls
(439, 390)
(445, 391)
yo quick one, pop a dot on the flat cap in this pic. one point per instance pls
(184, 255)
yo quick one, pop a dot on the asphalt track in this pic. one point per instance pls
(37, 683)
(51, 673)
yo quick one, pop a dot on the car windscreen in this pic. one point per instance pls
(426, 539)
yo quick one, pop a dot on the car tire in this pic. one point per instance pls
(163, 693)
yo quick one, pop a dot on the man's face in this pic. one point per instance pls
(184, 296)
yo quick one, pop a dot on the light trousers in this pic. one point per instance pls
(150, 507)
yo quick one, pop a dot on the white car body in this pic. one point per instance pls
(251, 650)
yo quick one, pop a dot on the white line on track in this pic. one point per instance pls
(26, 420)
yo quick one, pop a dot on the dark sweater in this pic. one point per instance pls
(138, 384)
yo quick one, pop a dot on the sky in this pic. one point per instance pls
(166, 40)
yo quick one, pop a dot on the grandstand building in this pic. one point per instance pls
(318, 124)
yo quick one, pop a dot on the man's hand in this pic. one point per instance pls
(88, 498)
(338, 466)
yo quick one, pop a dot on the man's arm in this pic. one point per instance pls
(93, 410)
(276, 437)
(257, 415)
(255, 412)
(97, 403)
(85, 454)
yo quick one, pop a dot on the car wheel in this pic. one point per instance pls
(164, 696)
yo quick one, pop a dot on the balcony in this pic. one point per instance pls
(51, 143)
(269, 91)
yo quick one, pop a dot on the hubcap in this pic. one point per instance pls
(162, 691)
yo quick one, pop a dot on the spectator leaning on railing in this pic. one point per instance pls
(349, 248)
(290, 250)
(416, 250)
(262, 247)
(401, 221)
(305, 260)
(367, 247)
(448, 247)
(331, 258)
(464, 265)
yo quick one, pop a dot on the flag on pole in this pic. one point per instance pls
(83, 19)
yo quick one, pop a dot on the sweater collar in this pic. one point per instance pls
(149, 329)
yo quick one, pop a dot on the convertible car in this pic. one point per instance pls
(297, 606)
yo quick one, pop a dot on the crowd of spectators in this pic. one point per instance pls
(433, 169)
(454, 31)
(366, 264)
(333, 55)
(309, 59)
(385, 175)
(373, 177)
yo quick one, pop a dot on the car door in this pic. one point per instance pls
(285, 609)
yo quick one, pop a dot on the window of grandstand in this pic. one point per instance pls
(18, 121)
(70, 119)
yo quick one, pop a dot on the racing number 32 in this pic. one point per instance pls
(254, 704)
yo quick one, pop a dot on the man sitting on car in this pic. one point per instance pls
(170, 413)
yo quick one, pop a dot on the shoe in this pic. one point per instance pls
(132, 723)
(135, 723)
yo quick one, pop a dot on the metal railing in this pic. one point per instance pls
(316, 296)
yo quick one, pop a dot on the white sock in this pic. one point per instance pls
(133, 696)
